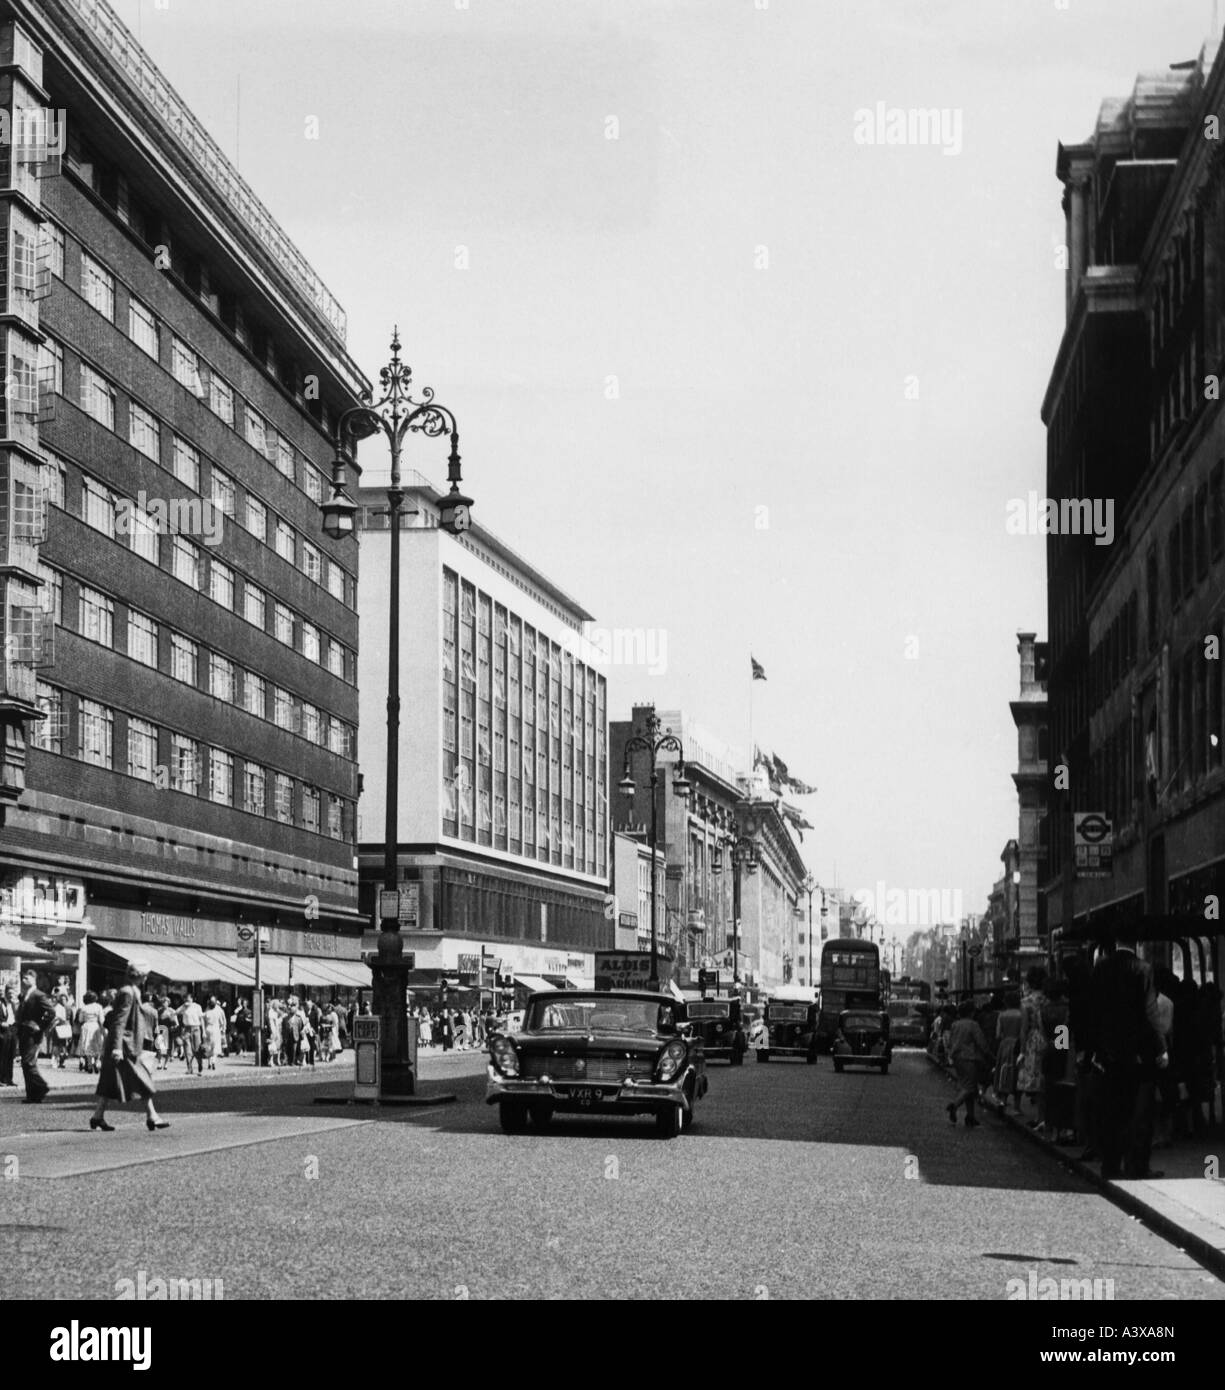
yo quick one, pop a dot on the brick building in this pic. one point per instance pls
(1133, 415)
(173, 611)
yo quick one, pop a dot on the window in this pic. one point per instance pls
(284, 457)
(255, 518)
(97, 396)
(283, 624)
(185, 367)
(53, 239)
(312, 563)
(338, 738)
(336, 659)
(285, 547)
(311, 723)
(97, 734)
(310, 642)
(185, 561)
(313, 482)
(256, 431)
(220, 777)
(253, 605)
(283, 794)
(255, 695)
(184, 659)
(144, 534)
(95, 616)
(97, 286)
(336, 581)
(98, 507)
(253, 789)
(142, 749)
(335, 821)
(221, 398)
(221, 682)
(186, 463)
(223, 491)
(51, 366)
(51, 594)
(184, 765)
(142, 638)
(48, 733)
(310, 809)
(144, 432)
(221, 584)
(142, 328)
(55, 474)
(282, 708)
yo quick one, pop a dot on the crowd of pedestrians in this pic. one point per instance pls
(1113, 1058)
(458, 1029)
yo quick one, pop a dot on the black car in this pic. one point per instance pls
(863, 1039)
(720, 1025)
(596, 1052)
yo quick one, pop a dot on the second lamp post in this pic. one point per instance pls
(654, 743)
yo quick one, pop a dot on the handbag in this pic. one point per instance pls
(63, 1031)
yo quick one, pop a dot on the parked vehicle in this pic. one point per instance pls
(598, 1052)
(863, 1039)
(909, 1022)
(791, 1024)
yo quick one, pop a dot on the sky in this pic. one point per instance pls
(733, 374)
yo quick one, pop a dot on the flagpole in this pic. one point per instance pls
(752, 745)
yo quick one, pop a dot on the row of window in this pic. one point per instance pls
(225, 679)
(1115, 654)
(180, 763)
(109, 183)
(120, 519)
(1197, 538)
(98, 398)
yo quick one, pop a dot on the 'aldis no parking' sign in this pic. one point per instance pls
(1093, 840)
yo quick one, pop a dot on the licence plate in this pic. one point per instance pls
(586, 1095)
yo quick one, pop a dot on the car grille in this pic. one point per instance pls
(593, 1069)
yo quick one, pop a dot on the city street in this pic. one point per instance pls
(794, 1183)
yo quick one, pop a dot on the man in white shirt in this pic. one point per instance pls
(191, 1017)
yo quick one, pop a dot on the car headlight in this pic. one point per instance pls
(504, 1057)
(671, 1060)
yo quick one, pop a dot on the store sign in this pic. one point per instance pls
(51, 899)
(163, 924)
(469, 969)
(622, 969)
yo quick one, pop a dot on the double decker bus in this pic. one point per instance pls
(911, 991)
(850, 979)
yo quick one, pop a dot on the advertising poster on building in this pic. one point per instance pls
(628, 970)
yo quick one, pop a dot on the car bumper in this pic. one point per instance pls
(613, 1095)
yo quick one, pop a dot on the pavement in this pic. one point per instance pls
(1185, 1205)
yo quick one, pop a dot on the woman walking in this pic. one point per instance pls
(167, 1021)
(214, 1032)
(93, 1034)
(1008, 1034)
(971, 1060)
(124, 1074)
(1033, 1040)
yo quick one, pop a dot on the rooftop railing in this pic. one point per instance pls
(120, 44)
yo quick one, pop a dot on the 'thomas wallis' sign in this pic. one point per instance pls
(628, 970)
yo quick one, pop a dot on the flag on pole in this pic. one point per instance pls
(759, 672)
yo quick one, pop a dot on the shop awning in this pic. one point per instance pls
(533, 983)
(11, 945)
(189, 964)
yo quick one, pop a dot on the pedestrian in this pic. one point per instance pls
(214, 1032)
(191, 1020)
(1008, 1033)
(167, 1021)
(125, 1075)
(971, 1060)
(35, 1015)
(314, 1019)
(1032, 1043)
(1054, 1119)
(93, 1034)
(461, 1030)
(1129, 1051)
(8, 1035)
(240, 1024)
(61, 1029)
(291, 1035)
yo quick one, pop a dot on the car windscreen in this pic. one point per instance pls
(709, 1010)
(787, 1013)
(903, 1010)
(606, 1014)
(858, 1021)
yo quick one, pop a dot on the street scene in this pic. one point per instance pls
(612, 680)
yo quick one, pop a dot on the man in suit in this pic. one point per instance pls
(35, 1014)
(1128, 1049)
(8, 1035)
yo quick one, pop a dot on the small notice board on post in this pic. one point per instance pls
(367, 1057)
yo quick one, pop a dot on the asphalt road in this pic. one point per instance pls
(794, 1182)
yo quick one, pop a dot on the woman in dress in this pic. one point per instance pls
(124, 1073)
(167, 1021)
(427, 1028)
(1032, 1047)
(333, 1027)
(1008, 1034)
(93, 1034)
(214, 1032)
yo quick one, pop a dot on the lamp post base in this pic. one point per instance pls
(397, 1071)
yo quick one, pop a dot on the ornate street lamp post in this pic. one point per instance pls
(654, 743)
(743, 851)
(810, 887)
(396, 414)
